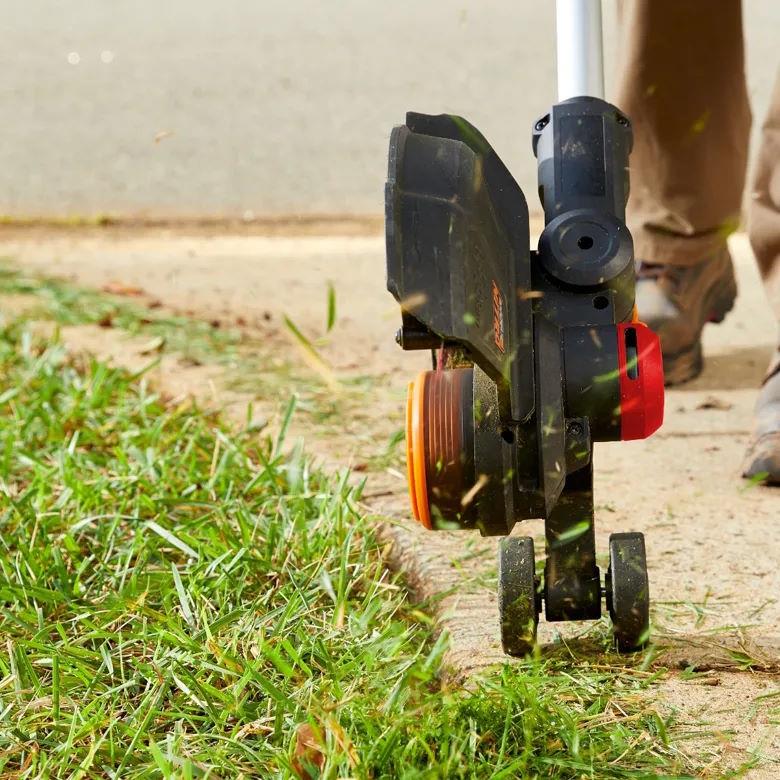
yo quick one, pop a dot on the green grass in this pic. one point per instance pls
(182, 600)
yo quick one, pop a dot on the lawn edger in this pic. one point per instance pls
(537, 354)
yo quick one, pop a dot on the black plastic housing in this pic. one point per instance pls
(582, 148)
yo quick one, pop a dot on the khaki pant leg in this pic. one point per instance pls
(682, 84)
(764, 211)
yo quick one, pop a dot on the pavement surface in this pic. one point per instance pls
(713, 542)
(242, 107)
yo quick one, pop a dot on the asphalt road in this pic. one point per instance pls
(194, 107)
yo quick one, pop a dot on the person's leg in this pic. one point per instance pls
(764, 211)
(683, 87)
(763, 458)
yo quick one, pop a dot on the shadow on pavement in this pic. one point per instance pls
(742, 368)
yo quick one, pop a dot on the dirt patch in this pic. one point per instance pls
(12, 306)
(172, 374)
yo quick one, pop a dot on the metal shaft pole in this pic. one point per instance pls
(579, 45)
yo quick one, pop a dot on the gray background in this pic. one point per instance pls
(267, 107)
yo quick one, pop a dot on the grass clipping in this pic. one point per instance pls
(180, 600)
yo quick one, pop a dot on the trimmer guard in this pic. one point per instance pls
(458, 257)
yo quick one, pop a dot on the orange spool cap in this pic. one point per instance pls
(415, 450)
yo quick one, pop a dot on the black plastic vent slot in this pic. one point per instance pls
(632, 354)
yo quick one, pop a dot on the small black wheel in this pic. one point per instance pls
(628, 591)
(518, 595)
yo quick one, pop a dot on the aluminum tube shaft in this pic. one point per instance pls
(579, 49)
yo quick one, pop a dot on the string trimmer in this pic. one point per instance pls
(537, 354)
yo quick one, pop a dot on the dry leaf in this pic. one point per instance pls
(120, 288)
(308, 752)
(473, 490)
(155, 345)
(528, 295)
(712, 402)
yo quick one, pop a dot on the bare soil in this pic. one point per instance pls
(713, 542)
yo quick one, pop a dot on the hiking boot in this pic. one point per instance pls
(677, 301)
(762, 462)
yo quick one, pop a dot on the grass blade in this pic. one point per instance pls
(331, 308)
(171, 539)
